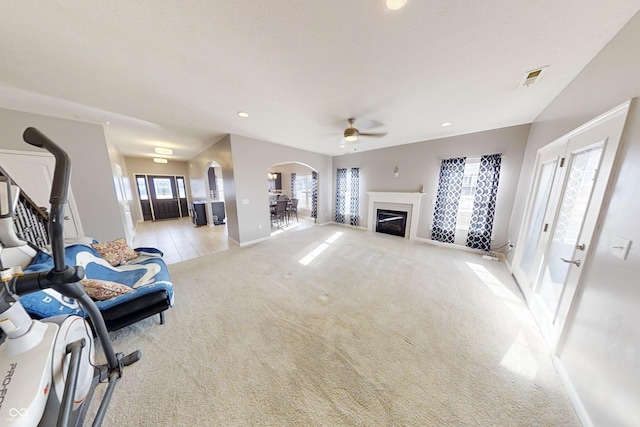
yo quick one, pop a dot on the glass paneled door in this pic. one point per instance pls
(164, 197)
(571, 177)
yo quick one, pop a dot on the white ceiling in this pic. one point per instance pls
(175, 73)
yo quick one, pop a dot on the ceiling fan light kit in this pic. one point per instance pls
(351, 133)
(395, 4)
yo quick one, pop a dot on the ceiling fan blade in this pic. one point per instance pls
(377, 135)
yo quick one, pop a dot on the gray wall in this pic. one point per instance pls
(256, 158)
(286, 170)
(245, 184)
(220, 154)
(601, 354)
(419, 167)
(91, 181)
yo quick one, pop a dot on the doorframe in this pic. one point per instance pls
(71, 202)
(146, 177)
(528, 289)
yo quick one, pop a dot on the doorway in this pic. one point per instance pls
(162, 196)
(33, 173)
(569, 187)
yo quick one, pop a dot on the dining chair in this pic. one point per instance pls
(281, 211)
(292, 209)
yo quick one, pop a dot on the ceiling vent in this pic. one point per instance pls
(530, 77)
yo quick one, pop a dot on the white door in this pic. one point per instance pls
(33, 173)
(572, 175)
(123, 204)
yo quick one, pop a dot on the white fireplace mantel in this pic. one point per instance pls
(412, 199)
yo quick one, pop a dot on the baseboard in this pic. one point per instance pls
(359, 227)
(253, 242)
(449, 245)
(573, 393)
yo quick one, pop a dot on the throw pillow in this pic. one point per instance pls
(102, 290)
(115, 252)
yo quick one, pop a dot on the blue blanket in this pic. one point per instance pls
(145, 274)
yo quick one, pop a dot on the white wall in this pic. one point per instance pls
(601, 354)
(92, 176)
(419, 167)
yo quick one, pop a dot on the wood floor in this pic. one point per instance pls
(180, 240)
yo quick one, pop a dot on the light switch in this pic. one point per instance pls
(620, 247)
(245, 201)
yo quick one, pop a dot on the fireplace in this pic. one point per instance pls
(391, 222)
(407, 204)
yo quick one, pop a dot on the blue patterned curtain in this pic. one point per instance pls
(447, 198)
(314, 195)
(293, 185)
(354, 202)
(484, 203)
(341, 192)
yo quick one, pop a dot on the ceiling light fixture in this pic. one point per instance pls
(243, 114)
(165, 151)
(395, 4)
(160, 160)
(445, 124)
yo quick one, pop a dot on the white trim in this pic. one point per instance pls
(253, 242)
(412, 199)
(358, 227)
(620, 109)
(573, 393)
(450, 246)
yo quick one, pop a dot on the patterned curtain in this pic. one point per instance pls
(354, 202)
(314, 196)
(293, 185)
(484, 204)
(341, 191)
(447, 198)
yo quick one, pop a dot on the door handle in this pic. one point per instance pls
(572, 261)
(67, 217)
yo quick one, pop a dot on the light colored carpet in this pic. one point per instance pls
(373, 331)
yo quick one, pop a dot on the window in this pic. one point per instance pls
(348, 196)
(219, 188)
(181, 190)
(142, 188)
(467, 193)
(303, 191)
(466, 200)
(163, 188)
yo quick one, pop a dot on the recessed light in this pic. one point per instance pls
(395, 4)
(445, 124)
(165, 151)
(160, 160)
(243, 114)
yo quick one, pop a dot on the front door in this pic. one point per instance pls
(164, 197)
(571, 179)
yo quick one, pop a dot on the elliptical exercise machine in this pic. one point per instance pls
(47, 368)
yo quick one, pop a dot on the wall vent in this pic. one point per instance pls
(530, 77)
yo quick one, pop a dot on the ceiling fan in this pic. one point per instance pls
(352, 133)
